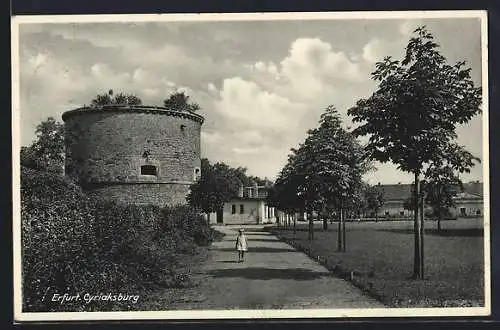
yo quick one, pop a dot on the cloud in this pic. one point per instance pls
(258, 100)
(378, 48)
(211, 88)
(312, 62)
(407, 27)
(246, 101)
(269, 108)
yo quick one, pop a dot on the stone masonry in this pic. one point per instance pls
(134, 154)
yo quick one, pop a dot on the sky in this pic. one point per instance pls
(261, 84)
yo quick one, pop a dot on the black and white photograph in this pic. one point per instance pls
(250, 166)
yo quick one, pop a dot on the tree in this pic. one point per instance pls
(179, 101)
(47, 151)
(374, 199)
(324, 172)
(218, 184)
(118, 99)
(411, 118)
(127, 99)
(440, 187)
(409, 203)
(200, 194)
(286, 194)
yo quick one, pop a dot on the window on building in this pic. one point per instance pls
(242, 208)
(463, 211)
(478, 212)
(401, 212)
(233, 209)
(197, 174)
(148, 170)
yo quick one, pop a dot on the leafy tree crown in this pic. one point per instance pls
(412, 117)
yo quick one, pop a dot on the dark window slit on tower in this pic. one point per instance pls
(148, 170)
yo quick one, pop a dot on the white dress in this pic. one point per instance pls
(241, 243)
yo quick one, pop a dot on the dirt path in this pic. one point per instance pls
(274, 275)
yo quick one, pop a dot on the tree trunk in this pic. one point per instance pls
(376, 215)
(439, 211)
(440, 217)
(325, 219)
(339, 233)
(208, 217)
(311, 226)
(343, 236)
(417, 257)
(421, 234)
(294, 223)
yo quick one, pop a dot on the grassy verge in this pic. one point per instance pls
(379, 261)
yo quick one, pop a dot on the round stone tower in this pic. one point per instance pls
(133, 154)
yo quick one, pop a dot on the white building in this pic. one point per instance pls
(468, 201)
(249, 207)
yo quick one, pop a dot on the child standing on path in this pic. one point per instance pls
(241, 245)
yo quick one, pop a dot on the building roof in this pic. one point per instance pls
(246, 198)
(465, 195)
(400, 192)
(396, 191)
(474, 188)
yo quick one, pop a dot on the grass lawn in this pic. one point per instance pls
(381, 257)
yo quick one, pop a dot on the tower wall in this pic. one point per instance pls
(140, 155)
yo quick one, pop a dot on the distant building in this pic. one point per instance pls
(468, 201)
(248, 207)
(394, 198)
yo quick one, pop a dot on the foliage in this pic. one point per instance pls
(218, 184)
(118, 99)
(47, 151)
(59, 251)
(409, 203)
(440, 187)
(326, 169)
(412, 117)
(186, 220)
(374, 196)
(74, 244)
(179, 101)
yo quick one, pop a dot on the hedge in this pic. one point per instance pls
(74, 244)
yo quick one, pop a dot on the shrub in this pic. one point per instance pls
(188, 221)
(59, 250)
(74, 244)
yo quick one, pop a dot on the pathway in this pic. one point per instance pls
(274, 275)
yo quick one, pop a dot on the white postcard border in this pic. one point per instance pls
(20, 316)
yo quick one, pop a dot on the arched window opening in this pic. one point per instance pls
(197, 173)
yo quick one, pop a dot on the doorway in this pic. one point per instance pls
(220, 216)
